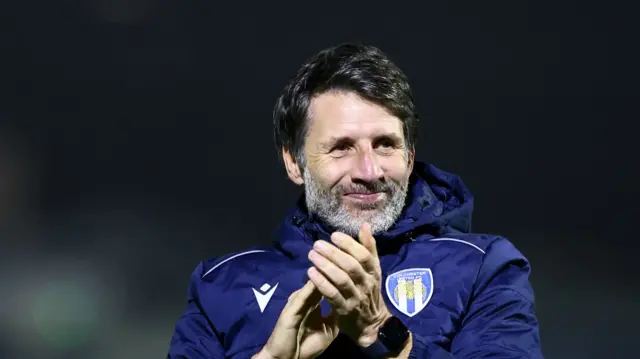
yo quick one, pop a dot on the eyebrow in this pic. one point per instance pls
(332, 141)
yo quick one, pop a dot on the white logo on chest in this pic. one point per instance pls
(264, 295)
(410, 290)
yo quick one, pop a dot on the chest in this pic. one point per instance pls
(427, 292)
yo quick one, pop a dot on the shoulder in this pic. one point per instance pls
(215, 266)
(246, 288)
(490, 246)
(260, 261)
(481, 256)
(498, 263)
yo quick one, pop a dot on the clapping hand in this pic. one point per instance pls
(348, 275)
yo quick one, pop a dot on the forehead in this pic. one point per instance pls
(345, 114)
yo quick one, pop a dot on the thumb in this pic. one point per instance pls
(302, 300)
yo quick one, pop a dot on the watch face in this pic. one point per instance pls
(393, 334)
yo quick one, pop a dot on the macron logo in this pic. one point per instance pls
(264, 295)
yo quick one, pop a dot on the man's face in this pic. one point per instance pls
(357, 164)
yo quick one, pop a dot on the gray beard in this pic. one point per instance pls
(327, 204)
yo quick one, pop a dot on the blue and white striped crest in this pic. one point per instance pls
(410, 290)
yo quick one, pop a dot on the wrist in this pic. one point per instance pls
(370, 334)
(393, 340)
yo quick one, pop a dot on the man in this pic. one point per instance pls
(377, 259)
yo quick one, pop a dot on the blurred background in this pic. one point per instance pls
(135, 141)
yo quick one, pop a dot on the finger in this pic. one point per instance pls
(310, 296)
(356, 250)
(329, 325)
(339, 278)
(314, 316)
(301, 301)
(366, 238)
(328, 290)
(332, 321)
(342, 260)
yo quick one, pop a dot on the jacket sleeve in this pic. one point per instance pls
(499, 322)
(194, 336)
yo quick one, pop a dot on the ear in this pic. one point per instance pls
(412, 158)
(293, 170)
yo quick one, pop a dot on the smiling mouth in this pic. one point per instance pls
(364, 197)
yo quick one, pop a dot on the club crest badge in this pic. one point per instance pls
(410, 290)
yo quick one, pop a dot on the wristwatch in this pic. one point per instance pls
(392, 337)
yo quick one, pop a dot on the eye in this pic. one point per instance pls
(387, 143)
(340, 147)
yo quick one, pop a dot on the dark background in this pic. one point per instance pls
(135, 141)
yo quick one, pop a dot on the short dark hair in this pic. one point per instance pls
(353, 67)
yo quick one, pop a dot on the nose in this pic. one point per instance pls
(366, 167)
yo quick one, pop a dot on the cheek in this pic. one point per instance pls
(331, 172)
(396, 167)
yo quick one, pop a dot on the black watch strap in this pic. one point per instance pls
(392, 337)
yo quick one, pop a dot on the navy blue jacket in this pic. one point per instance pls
(462, 295)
